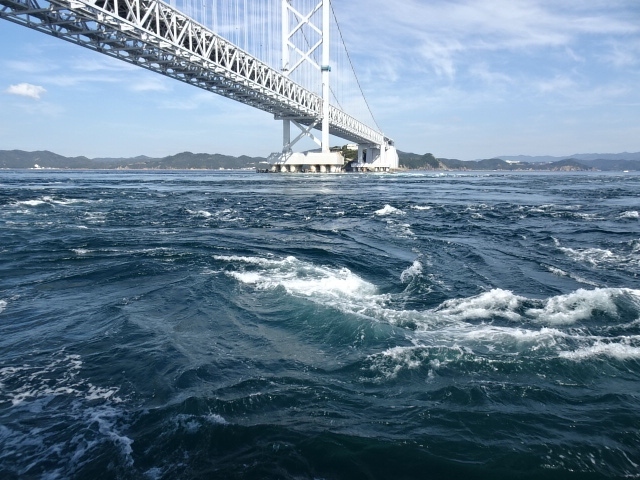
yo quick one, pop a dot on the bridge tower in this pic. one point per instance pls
(313, 25)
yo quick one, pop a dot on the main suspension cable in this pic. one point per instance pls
(352, 68)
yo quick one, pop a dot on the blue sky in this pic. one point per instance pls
(463, 79)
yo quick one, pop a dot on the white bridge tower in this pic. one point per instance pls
(306, 28)
(302, 37)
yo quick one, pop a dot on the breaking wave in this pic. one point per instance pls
(325, 285)
(389, 210)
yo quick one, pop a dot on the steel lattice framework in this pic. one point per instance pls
(156, 36)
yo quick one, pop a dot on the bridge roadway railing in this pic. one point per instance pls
(156, 36)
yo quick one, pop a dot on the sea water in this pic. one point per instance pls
(193, 324)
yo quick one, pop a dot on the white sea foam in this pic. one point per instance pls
(154, 473)
(200, 213)
(421, 207)
(458, 330)
(95, 217)
(50, 201)
(68, 201)
(557, 271)
(487, 346)
(193, 423)
(31, 203)
(593, 256)
(630, 214)
(389, 210)
(264, 262)
(340, 288)
(3, 305)
(301, 278)
(604, 258)
(36, 382)
(555, 210)
(56, 386)
(618, 351)
(415, 270)
(588, 216)
(562, 309)
(403, 230)
(579, 305)
(559, 310)
(393, 360)
(106, 419)
(226, 215)
(190, 423)
(496, 302)
(580, 279)
(80, 251)
(514, 336)
(561, 273)
(215, 419)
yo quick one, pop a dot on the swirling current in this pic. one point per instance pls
(173, 325)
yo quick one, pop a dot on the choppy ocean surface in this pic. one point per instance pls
(174, 325)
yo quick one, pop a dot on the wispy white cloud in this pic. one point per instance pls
(100, 63)
(28, 66)
(440, 54)
(622, 54)
(74, 79)
(570, 52)
(604, 96)
(560, 82)
(26, 90)
(483, 72)
(43, 109)
(191, 102)
(150, 84)
(443, 33)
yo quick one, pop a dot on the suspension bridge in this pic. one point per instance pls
(274, 55)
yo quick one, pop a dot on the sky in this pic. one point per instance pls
(464, 79)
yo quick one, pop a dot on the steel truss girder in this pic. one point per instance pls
(154, 35)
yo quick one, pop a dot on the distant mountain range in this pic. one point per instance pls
(579, 162)
(181, 161)
(17, 159)
(577, 156)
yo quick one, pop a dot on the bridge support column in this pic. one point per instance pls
(300, 20)
(326, 68)
(286, 137)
